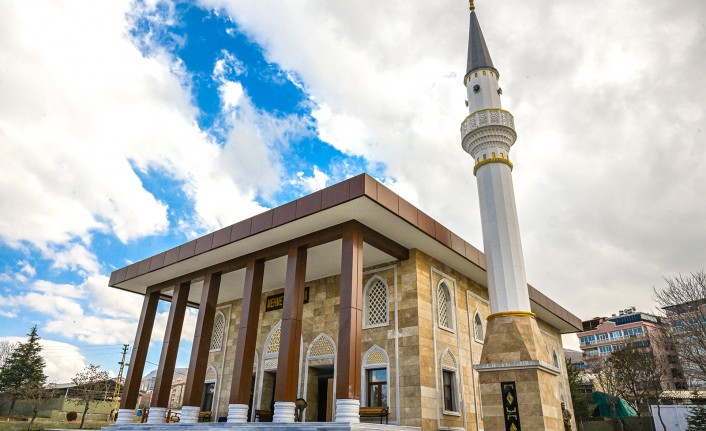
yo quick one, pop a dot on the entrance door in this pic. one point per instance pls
(324, 398)
(207, 399)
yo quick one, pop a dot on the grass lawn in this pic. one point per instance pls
(44, 423)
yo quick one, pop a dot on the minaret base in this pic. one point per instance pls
(516, 377)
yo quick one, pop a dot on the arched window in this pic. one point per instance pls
(444, 307)
(376, 371)
(219, 328)
(376, 309)
(271, 351)
(448, 382)
(478, 332)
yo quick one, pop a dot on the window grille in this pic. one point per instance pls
(444, 307)
(478, 328)
(273, 346)
(322, 346)
(219, 327)
(377, 312)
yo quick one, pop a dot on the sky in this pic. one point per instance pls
(129, 127)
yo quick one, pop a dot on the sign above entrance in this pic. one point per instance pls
(510, 410)
(276, 302)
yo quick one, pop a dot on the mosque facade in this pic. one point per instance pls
(350, 305)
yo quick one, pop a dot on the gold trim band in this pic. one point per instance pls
(492, 160)
(512, 313)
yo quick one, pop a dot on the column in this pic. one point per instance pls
(241, 384)
(290, 339)
(131, 389)
(170, 349)
(350, 327)
(193, 390)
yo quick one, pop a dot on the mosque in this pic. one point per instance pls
(350, 308)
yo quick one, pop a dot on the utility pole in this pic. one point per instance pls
(118, 384)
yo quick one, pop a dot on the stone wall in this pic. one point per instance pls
(320, 317)
(412, 341)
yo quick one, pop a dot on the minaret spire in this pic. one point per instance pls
(472, 5)
(488, 133)
(514, 357)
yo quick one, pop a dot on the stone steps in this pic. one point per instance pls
(260, 426)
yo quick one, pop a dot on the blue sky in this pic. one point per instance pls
(129, 127)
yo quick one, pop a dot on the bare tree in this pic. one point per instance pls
(683, 302)
(638, 376)
(607, 379)
(34, 394)
(92, 385)
(6, 349)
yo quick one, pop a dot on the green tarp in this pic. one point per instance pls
(622, 408)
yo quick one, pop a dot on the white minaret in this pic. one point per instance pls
(488, 133)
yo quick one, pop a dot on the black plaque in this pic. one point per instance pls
(276, 302)
(510, 410)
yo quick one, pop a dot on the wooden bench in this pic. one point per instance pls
(374, 412)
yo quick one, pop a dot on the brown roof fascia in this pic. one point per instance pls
(350, 189)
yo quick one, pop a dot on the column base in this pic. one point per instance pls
(125, 416)
(237, 413)
(348, 410)
(156, 415)
(284, 412)
(190, 414)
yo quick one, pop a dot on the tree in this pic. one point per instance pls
(607, 379)
(24, 366)
(638, 375)
(683, 301)
(696, 421)
(92, 385)
(578, 400)
(34, 395)
(6, 349)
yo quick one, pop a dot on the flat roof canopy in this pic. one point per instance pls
(392, 226)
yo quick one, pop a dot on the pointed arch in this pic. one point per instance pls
(444, 306)
(376, 303)
(375, 375)
(449, 382)
(448, 360)
(555, 358)
(478, 327)
(211, 374)
(271, 350)
(322, 347)
(219, 329)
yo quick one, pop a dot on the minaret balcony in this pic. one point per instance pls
(488, 126)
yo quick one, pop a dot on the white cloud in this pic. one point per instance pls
(607, 106)
(231, 92)
(63, 360)
(317, 181)
(27, 268)
(74, 257)
(81, 116)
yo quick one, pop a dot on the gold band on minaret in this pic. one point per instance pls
(472, 5)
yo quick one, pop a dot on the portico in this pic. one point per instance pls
(349, 236)
(350, 297)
